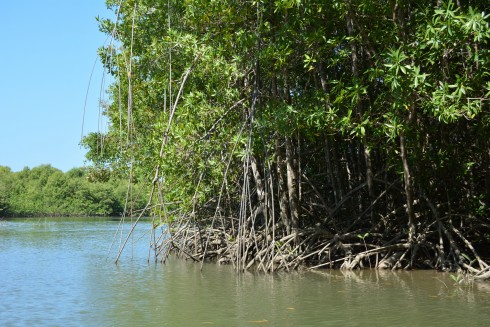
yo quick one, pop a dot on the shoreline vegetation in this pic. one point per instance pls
(285, 134)
(274, 135)
(49, 192)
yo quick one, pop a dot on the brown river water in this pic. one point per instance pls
(61, 272)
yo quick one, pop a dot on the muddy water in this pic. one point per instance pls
(60, 272)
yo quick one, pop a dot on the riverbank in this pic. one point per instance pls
(269, 250)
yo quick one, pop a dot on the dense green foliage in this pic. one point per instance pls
(349, 117)
(45, 190)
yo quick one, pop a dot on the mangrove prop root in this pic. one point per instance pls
(257, 249)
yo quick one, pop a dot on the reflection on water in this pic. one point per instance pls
(60, 272)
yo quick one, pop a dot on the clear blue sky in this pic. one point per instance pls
(47, 52)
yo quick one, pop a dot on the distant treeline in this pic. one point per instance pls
(45, 190)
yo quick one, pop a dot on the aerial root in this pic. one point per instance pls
(260, 250)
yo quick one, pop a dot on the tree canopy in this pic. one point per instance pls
(293, 126)
(47, 191)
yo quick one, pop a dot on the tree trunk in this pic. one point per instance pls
(259, 185)
(408, 188)
(292, 179)
(282, 187)
(487, 173)
(330, 173)
(369, 171)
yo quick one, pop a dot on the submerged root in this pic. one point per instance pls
(263, 250)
